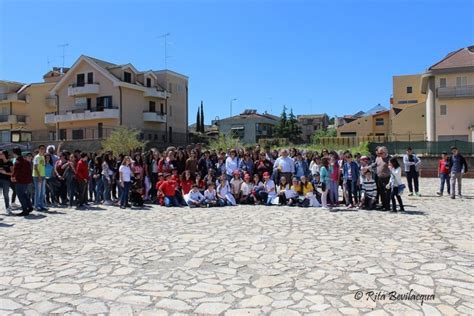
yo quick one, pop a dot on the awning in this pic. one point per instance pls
(238, 128)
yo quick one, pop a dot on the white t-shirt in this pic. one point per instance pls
(126, 173)
(269, 185)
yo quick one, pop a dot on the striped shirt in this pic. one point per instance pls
(369, 189)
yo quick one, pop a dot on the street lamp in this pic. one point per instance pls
(232, 100)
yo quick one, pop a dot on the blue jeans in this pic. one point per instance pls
(334, 191)
(124, 194)
(71, 190)
(40, 191)
(99, 190)
(444, 177)
(106, 186)
(5, 185)
(171, 201)
(22, 193)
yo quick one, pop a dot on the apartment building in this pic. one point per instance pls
(94, 96)
(311, 123)
(22, 111)
(449, 89)
(407, 112)
(374, 122)
(249, 126)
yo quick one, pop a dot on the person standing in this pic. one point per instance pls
(457, 166)
(383, 176)
(82, 176)
(443, 174)
(22, 178)
(394, 184)
(6, 167)
(412, 165)
(232, 164)
(125, 177)
(39, 181)
(351, 180)
(284, 166)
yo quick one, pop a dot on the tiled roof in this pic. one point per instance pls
(463, 57)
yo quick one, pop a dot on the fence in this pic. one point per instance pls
(349, 141)
(425, 147)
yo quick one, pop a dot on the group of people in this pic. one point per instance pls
(195, 177)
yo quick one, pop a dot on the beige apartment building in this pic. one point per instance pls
(374, 122)
(407, 112)
(310, 123)
(449, 89)
(94, 96)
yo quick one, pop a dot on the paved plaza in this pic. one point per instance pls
(242, 260)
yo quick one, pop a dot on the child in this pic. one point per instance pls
(200, 183)
(210, 195)
(395, 184)
(351, 178)
(324, 181)
(235, 185)
(160, 198)
(194, 198)
(268, 192)
(224, 192)
(168, 189)
(294, 192)
(246, 189)
(281, 191)
(369, 192)
(443, 174)
(210, 176)
(186, 182)
(307, 197)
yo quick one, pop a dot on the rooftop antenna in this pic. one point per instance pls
(165, 36)
(64, 51)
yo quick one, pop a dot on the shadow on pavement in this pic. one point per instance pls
(6, 225)
(35, 216)
(412, 212)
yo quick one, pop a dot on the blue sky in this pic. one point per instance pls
(314, 56)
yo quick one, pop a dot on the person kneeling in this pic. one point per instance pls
(210, 196)
(369, 192)
(168, 188)
(194, 198)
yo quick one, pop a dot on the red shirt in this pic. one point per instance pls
(186, 185)
(443, 166)
(168, 187)
(82, 170)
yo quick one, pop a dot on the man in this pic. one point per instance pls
(22, 178)
(383, 176)
(82, 175)
(39, 179)
(284, 166)
(168, 189)
(458, 166)
(412, 164)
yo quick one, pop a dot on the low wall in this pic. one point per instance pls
(429, 166)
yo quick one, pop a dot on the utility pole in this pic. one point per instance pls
(165, 36)
(232, 100)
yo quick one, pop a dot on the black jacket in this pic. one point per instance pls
(463, 163)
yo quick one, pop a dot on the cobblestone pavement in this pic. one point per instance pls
(241, 260)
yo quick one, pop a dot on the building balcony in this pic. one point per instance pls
(12, 97)
(456, 92)
(13, 119)
(51, 102)
(111, 113)
(154, 93)
(154, 117)
(75, 90)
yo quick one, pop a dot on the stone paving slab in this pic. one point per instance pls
(241, 260)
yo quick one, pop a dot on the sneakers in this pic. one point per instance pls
(9, 211)
(453, 197)
(411, 194)
(439, 193)
(417, 194)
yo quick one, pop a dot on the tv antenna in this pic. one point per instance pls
(165, 36)
(63, 46)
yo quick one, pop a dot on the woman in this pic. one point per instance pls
(263, 165)
(308, 197)
(192, 163)
(246, 196)
(106, 176)
(246, 164)
(395, 184)
(61, 181)
(232, 164)
(282, 189)
(97, 176)
(125, 179)
(334, 173)
(186, 182)
(200, 182)
(179, 162)
(324, 180)
(51, 196)
(6, 170)
(69, 169)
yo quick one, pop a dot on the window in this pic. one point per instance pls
(89, 104)
(170, 134)
(80, 102)
(51, 135)
(90, 77)
(461, 81)
(5, 137)
(152, 106)
(442, 82)
(62, 134)
(443, 110)
(77, 134)
(142, 136)
(100, 130)
(409, 89)
(80, 80)
(148, 82)
(170, 87)
(104, 103)
(156, 136)
(162, 109)
(149, 136)
(127, 77)
(379, 121)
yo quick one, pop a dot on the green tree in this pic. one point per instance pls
(202, 125)
(323, 133)
(224, 142)
(294, 130)
(198, 122)
(123, 140)
(281, 130)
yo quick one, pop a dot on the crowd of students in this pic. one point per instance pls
(195, 177)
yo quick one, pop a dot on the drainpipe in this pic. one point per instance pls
(57, 113)
(120, 89)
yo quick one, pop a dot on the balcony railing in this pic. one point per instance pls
(154, 117)
(154, 93)
(83, 115)
(78, 89)
(13, 119)
(12, 97)
(51, 101)
(456, 92)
